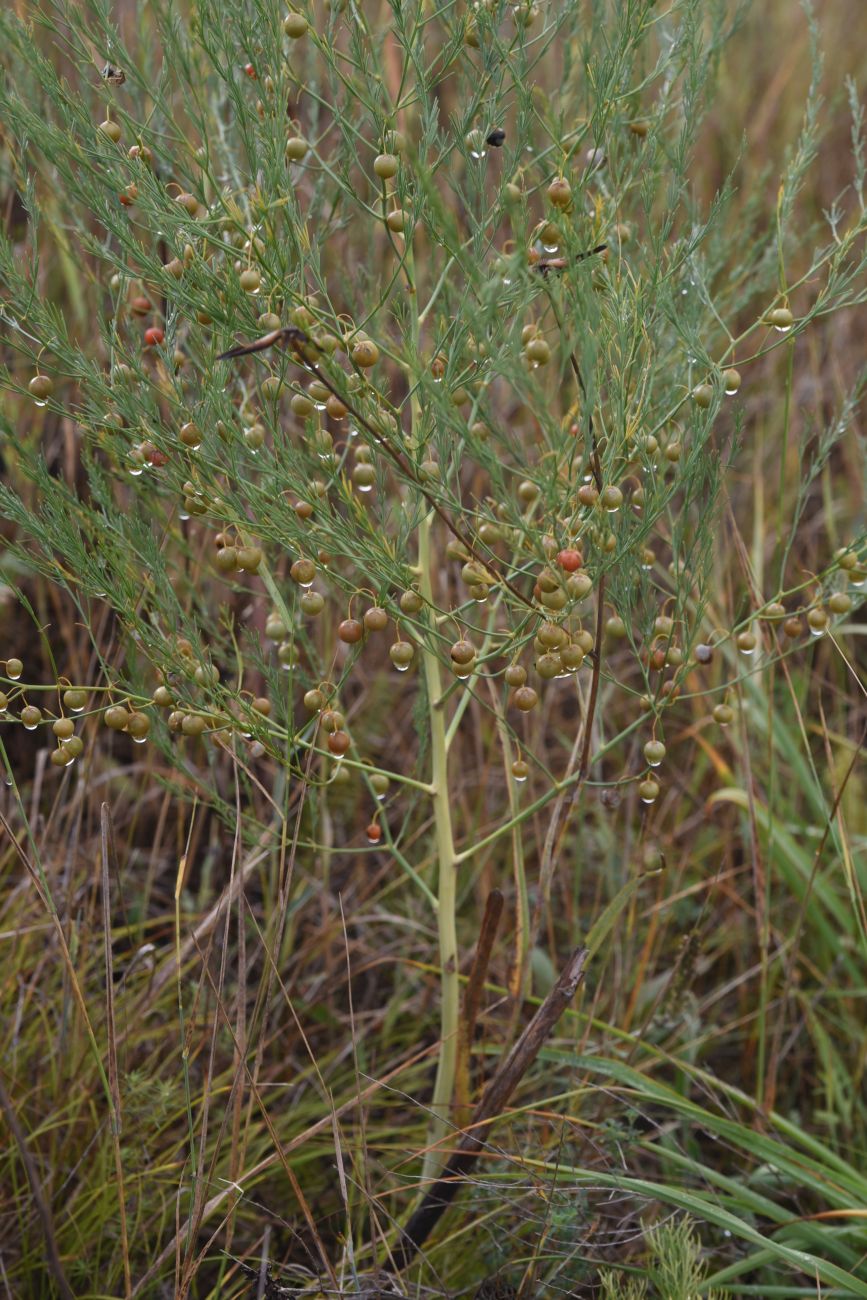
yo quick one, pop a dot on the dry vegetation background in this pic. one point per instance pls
(186, 929)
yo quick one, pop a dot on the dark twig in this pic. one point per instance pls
(584, 766)
(560, 263)
(566, 800)
(302, 345)
(436, 1201)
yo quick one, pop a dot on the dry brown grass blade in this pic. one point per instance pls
(38, 880)
(275, 1138)
(108, 858)
(42, 1208)
(267, 1162)
(166, 973)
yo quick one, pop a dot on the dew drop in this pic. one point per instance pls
(782, 329)
(139, 740)
(30, 726)
(402, 668)
(13, 673)
(367, 487)
(519, 780)
(136, 470)
(36, 402)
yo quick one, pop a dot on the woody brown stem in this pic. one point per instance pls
(472, 1002)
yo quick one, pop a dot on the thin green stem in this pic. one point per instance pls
(782, 531)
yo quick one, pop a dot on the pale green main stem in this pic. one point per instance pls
(447, 877)
(445, 845)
